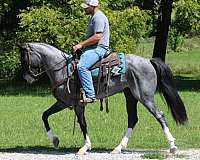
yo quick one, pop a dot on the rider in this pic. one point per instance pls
(95, 46)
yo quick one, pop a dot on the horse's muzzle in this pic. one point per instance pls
(29, 78)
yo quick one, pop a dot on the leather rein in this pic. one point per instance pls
(36, 75)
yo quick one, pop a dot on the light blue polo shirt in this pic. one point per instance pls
(99, 23)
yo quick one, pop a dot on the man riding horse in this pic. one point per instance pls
(95, 46)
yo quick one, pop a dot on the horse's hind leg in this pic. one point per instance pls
(131, 107)
(58, 106)
(159, 115)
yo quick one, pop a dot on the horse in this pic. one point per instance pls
(142, 79)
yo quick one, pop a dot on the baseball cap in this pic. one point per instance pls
(90, 2)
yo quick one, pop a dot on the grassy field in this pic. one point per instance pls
(184, 63)
(21, 124)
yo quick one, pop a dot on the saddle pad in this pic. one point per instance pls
(114, 70)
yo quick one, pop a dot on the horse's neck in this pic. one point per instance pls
(54, 62)
(55, 66)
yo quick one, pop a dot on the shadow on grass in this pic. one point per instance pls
(187, 84)
(12, 88)
(62, 151)
(144, 153)
(15, 88)
(48, 150)
(38, 150)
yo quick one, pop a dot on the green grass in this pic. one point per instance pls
(154, 156)
(185, 63)
(163, 155)
(21, 124)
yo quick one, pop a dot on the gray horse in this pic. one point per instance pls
(142, 79)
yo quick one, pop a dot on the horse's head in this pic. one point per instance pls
(31, 62)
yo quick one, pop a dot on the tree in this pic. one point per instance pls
(164, 20)
(8, 16)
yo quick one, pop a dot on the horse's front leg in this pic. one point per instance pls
(56, 107)
(79, 111)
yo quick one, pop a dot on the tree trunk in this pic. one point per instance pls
(164, 21)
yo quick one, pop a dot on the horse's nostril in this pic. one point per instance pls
(29, 78)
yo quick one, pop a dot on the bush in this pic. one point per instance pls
(9, 64)
(51, 26)
(187, 17)
(127, 28)
(185, 22)
(55, 27)
(63, 23)
(176, 40)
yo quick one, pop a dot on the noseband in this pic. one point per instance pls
(31, 72)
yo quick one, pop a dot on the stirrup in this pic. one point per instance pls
(88, 100)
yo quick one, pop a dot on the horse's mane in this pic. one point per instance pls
(48, 45)
(55, 46)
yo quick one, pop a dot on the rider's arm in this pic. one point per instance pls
(92, 40)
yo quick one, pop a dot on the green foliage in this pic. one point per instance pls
(176, 40)
(8, 17)
(64, 23)
(51, 26)
(9, 64)
(120, 4)
(63, 29)
(185, 22)
(127, 28)
(187, 17)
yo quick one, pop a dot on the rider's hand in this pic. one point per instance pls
(77, 47)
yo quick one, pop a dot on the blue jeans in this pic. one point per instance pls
(89, 57)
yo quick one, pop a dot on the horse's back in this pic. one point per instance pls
(141, 75)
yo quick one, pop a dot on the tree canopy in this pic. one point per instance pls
(63, 23)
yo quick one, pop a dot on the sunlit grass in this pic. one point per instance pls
(21, 124)
(184, 63)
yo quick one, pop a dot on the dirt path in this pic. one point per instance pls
(191, 154)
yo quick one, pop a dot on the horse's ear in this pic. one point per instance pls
(21, 45)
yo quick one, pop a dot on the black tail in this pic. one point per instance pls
(168, 89)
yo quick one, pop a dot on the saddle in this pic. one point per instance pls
(110, 60)
(103, 66)
(113, 65)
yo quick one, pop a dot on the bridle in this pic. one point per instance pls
(36, 75)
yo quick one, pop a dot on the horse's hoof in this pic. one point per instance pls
(55, 142)
(173, 149)
(81, 152)
(116, 151)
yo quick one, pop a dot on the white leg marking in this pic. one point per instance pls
(53, 138)
(169, 136)
(124, 142)
(50, 135)
(171, 140)
(86, 147)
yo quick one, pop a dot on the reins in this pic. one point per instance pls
(42, 72)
